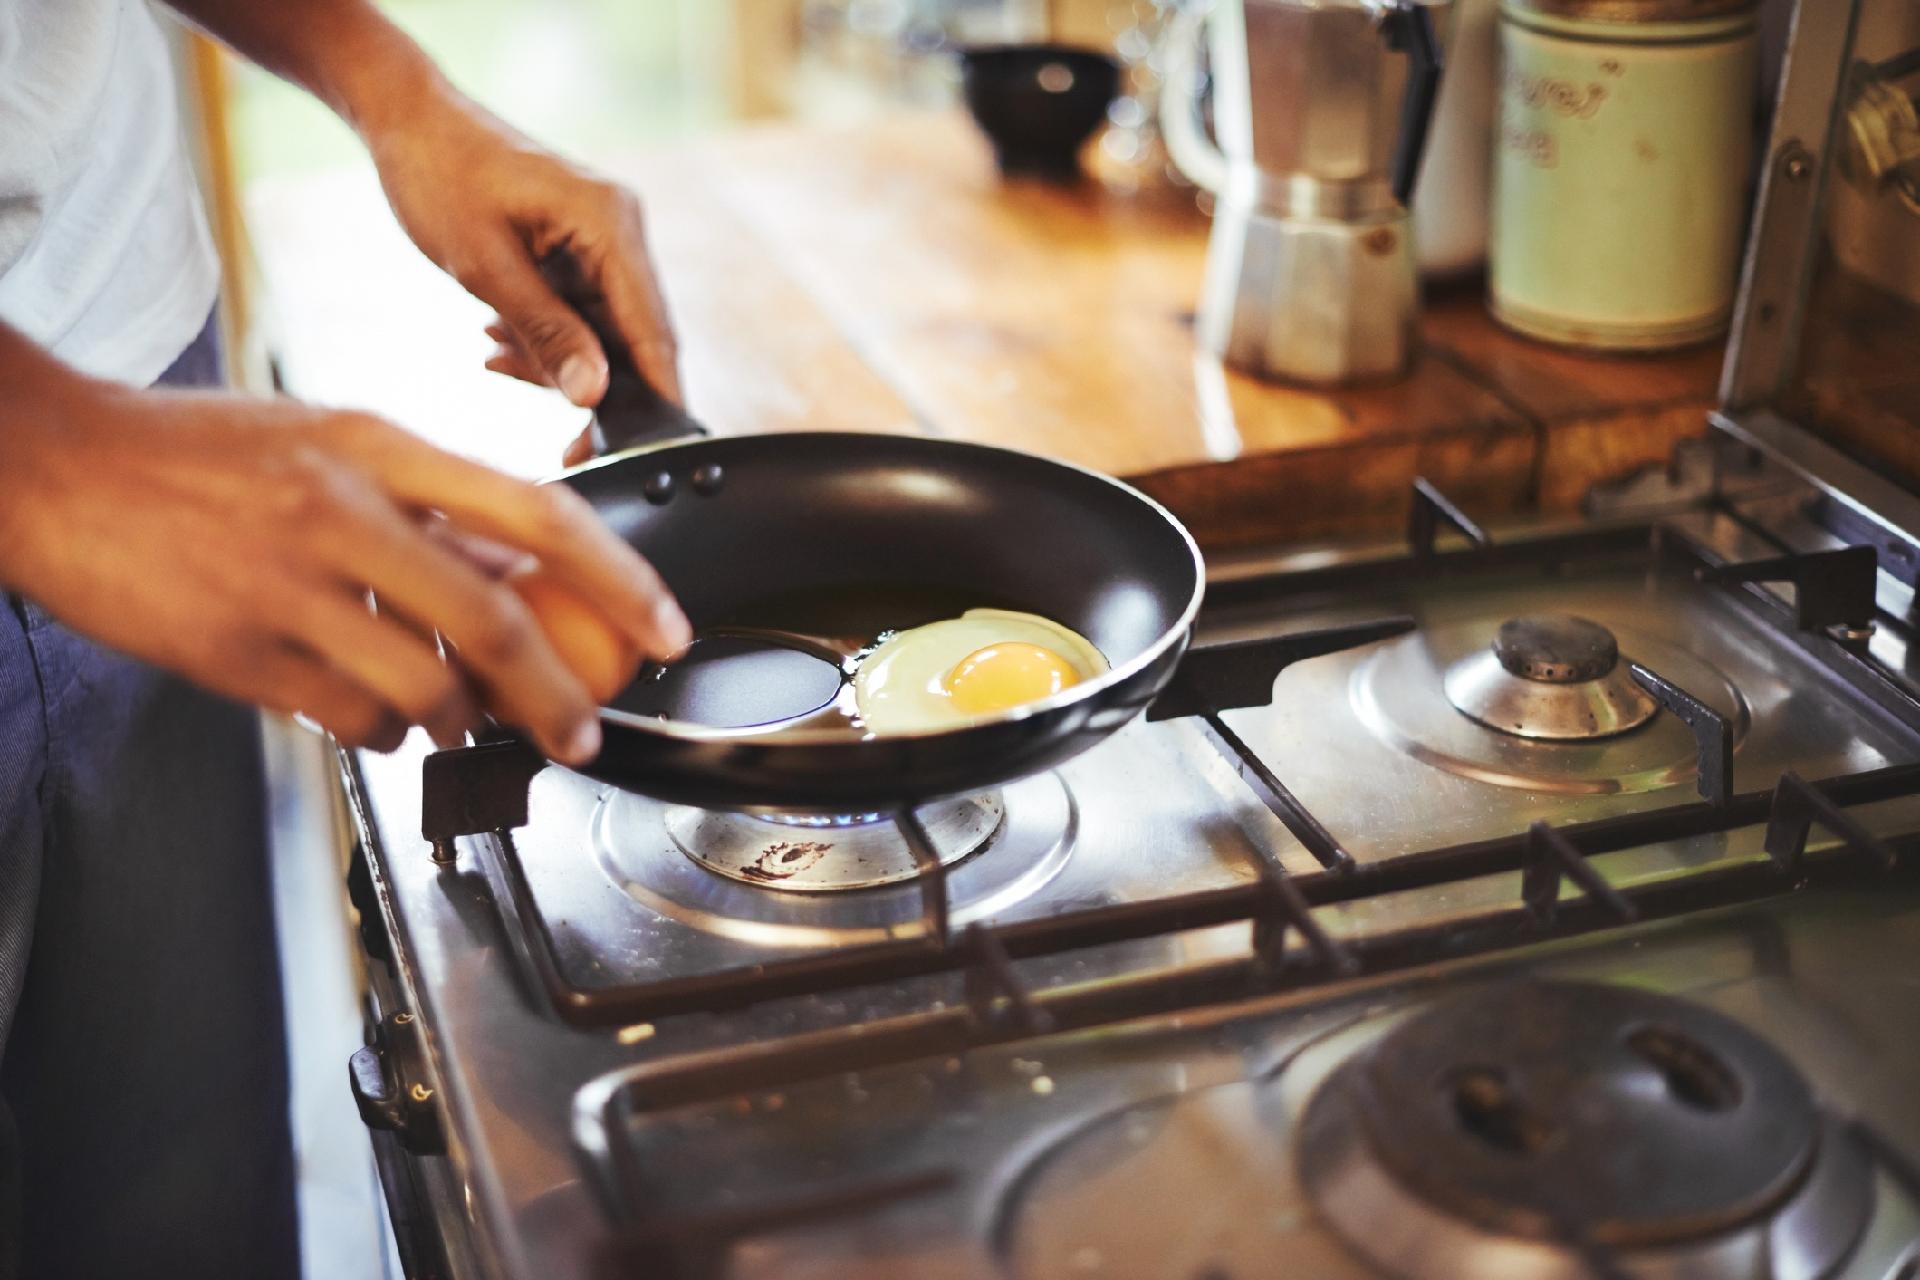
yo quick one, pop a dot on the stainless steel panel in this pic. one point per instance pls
(1799, 159)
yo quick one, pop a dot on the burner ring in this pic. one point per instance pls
(1401, 693)
(632, 843)
(820, 853)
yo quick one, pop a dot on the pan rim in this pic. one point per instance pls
(759, 736)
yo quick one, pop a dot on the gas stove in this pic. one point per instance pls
(1539, 906)
(1530, 901)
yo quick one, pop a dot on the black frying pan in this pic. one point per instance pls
(840, 534)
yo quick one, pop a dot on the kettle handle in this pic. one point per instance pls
(1180, 122)
(1408, 27)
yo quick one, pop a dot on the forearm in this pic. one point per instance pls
(485, 203)
(41, 400)
(40, 397)
(346, 52)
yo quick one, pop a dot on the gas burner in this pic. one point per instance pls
(823, 853)
(1567, 1129)
(1189, 1185)
(811, 881)
(1551, 676)
(1528, 1130)
(1412, 692)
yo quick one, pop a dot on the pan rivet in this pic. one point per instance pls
(708, 479)
(659, 488)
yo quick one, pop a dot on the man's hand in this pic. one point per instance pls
(487, 205)
(234, 541)
(479, 199)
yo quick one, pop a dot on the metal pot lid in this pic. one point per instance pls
(1550, 676)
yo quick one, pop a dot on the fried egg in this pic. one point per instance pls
(972, 667)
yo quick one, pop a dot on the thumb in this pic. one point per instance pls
(553, 332)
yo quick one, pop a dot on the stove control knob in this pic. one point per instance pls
(388, 1100)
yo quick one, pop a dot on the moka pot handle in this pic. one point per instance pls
(1181, 123)
(1408, 28)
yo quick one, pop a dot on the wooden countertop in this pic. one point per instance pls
(884, 278)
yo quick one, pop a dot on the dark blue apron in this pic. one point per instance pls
(143, 1085)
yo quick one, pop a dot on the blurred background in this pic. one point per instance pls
(320, 281)
(588, 75)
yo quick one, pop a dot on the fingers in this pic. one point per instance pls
(299, 683)
(580, 449)
(511, 358)
(517, 364)
(608, 243)
(385, 658)
(624, 272)
(500, 642)
(502, 332)
(556, 338)
(495, 560)
(552, 522)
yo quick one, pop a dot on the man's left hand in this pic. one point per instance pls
(487, 205)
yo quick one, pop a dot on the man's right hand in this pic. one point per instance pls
(233, 541)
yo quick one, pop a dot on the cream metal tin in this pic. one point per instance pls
(1620, 174)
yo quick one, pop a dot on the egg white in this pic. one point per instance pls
(900, 687)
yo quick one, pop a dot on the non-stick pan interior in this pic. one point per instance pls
(841, 534)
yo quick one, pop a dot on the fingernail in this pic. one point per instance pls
(675, 631)
(584, 743)
(581, 378)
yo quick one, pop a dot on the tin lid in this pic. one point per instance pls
(1631, 11)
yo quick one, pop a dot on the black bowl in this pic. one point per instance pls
(1037, 103)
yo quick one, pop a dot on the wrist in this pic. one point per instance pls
(49, 407)
(378, 80)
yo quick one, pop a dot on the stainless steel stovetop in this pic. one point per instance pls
(1533, 906)
(610, 1058)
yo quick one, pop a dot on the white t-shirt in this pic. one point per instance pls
(104, 253)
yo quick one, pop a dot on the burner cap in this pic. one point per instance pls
(1583, 1117)
(1555, 648)
(1550, 676)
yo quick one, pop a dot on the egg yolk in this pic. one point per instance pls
(1006, 675)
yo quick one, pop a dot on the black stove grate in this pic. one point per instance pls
(482, 791)
(1000, 1009)
(1275, 903)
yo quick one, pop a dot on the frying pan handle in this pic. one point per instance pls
(632, 413)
